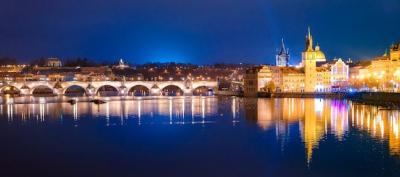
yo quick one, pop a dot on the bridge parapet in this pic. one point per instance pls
(123, 88)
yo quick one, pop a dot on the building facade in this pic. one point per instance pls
(314, 74)
(53, 62)
(250, 86)
(381, 74)
(395, 52)
(339, 74)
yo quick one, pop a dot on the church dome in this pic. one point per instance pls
(319, 55)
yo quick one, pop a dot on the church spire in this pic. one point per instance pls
(282, 58)
(309, 41)
(283, 48)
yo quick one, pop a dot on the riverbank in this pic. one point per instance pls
(228, 93)
(385, 99)
(303, 95)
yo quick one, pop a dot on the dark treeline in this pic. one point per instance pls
(88, 62)
(8, 61)
(83, 62)
(74, 62)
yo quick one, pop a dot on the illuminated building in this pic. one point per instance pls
(273, 79)
(382, 73)
(53, 62)
(12, 68)
(292, 80)
(339, 73)
(395, 52)
(282, 59)
(121, 64)
(310, 57)
(313, 75)
(257, 79)
(323, 83)
(264, 77)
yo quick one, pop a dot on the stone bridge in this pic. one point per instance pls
(91, 88)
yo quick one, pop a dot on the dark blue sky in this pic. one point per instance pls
(197, 31)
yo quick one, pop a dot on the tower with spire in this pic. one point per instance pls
(309, 62)
(282, 58)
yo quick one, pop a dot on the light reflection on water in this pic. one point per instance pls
(316, 118)
(176, 109)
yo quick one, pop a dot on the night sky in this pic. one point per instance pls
(195, 31)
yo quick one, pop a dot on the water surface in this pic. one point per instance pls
(198, 136)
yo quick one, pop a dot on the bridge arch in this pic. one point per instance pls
(9, 89)
(42, 90)
(74, 90)
(107, 90)
(172, 90)
(139, 90)
(203, 91)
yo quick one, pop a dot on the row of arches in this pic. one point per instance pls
(108, 90)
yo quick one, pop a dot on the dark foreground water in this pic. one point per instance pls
(199, 136)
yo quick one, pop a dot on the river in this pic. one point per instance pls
(198, 136)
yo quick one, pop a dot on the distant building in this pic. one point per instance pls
(121, 65)
(395, 52)
(53, 62)
(12, 68)
(282, 58)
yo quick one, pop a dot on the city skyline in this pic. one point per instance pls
(201, 33)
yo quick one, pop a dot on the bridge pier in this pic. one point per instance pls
(24, 91)
(188, 92)
(90, 91)
(123, 91)
(155, 92)
(58, 91)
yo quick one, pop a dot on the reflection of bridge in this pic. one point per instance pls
(92, 88)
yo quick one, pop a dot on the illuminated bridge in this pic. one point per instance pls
(109, 88)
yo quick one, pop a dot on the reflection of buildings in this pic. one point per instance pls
(318, 117)
(380, 124)
(312, 127)
(312, 118)
(315, 117)
(269, 112)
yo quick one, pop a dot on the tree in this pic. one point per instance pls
(83, 62)
(38, 61)
(270, 86)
